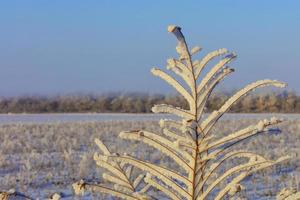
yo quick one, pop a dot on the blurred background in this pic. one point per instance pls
(57, 49)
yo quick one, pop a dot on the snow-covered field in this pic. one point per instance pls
(80, 117)
(45, 153)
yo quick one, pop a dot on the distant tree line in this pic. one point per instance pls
(285, 102)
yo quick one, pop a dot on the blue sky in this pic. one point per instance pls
(57, 47)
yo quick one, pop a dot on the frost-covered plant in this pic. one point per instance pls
(288, 194)
(189, 141)
(13, 194)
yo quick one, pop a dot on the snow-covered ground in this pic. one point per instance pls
(75, 117)
(45, 153)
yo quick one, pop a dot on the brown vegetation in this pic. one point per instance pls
(284, 102)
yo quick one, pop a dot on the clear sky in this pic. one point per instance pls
(61, 46)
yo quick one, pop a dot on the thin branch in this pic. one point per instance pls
(214, 116)
(163, 108)
(208, 58)
(163, 174)
(163, 147)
